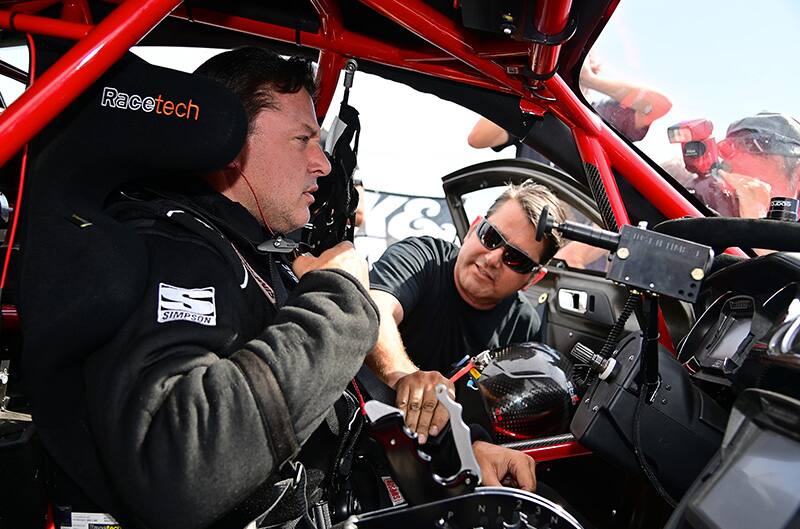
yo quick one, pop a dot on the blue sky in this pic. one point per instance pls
(715, 59)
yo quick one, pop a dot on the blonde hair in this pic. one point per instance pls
(533, 198)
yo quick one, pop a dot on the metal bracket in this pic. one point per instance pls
(279, 244)
(461, 433)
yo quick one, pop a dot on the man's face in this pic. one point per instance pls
(282, 160)
(481, 278)
(769, 168)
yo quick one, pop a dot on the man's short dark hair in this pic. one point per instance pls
(255, 74)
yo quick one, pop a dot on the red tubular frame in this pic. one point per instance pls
(330, 62)
(76, 70)
(445, 35)
(43, 26)
(620, 155)
(552, 17)
(455, 56)
(72, 74)
(349, 45)
(330, 67)
(592, 152)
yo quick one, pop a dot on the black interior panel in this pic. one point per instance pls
(563, 328)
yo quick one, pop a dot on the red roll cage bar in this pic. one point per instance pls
(452, 54)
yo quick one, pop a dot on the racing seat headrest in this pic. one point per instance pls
(139, 118)
(80, 271)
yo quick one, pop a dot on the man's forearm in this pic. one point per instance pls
(389, 359)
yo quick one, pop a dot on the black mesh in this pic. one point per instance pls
(81, 272)
(600, 196)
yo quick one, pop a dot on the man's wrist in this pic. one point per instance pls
(394, 377)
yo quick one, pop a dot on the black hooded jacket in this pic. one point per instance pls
(209, 387)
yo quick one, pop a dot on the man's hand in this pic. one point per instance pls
(343, 257)
(416, 396)
(506, 467)
(589, 72)
(753, 194)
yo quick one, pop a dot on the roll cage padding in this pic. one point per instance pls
(726, 232)
(80, 271)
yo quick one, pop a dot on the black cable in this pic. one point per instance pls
(637, 443)
(648, 366)
(616, 330)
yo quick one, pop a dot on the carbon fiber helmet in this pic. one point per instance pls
(527, 392)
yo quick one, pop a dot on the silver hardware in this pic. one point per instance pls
(574, 301)
(460, 433)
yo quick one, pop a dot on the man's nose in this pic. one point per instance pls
(318, 163)
(495, 257)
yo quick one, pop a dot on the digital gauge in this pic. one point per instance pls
(722, 336)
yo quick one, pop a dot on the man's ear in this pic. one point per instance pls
(241, 159)
(473, 226)
(535, 278)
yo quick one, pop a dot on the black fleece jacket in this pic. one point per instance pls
(187, 404)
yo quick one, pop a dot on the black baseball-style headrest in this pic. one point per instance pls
(144, 117)
(138, 121)
(81, 272)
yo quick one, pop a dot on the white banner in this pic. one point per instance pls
(390, 217)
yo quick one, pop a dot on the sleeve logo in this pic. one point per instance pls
(189, 304)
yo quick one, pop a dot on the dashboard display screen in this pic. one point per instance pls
(760, 487)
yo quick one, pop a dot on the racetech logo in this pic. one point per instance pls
(113, 98)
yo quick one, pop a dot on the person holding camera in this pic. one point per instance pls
(761, 160)
(629, 107)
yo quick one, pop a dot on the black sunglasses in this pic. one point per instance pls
(513, 257)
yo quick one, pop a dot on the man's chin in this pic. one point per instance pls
(300, 220)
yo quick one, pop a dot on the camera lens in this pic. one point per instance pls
(783, 208)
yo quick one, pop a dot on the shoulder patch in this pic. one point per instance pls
(189, 304)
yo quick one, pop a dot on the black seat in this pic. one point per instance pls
(80, 271)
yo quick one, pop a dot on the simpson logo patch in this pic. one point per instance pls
(189, 304)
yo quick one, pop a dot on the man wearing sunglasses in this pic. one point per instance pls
(761, 160)
(439, 303)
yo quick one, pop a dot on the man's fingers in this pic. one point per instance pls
(414, 407)
(489, 477)
(439, 420)
(429, 405)
(499, 464)
(523, 470)
(416, 396)
(402, 399)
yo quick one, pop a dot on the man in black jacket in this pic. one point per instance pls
(199, 405)
(233, 357)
